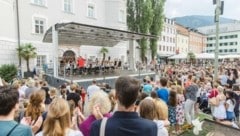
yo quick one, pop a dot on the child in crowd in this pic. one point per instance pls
(53, 93)
(172, 108)
(230, 104)
(148, 110)
(180, 109)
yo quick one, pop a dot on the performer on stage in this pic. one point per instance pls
(81, 62)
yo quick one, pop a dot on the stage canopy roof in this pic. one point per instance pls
(82, 34)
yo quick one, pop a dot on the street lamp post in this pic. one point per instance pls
(218, 12)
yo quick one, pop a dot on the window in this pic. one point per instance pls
(167, 48)
(231, 43)
(163, 48)
(235, 50)
(39, 2)
(221, 44)
(225, 44)
(225, 50)
(91, 10)
(68, 6)
(220, 50)
(160, 47)
(39, 26)
(121, 16)
(230, 50)
(41, 60)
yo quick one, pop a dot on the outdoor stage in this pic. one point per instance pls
(86, 80)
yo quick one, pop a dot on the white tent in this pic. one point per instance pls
(178, 56)
(205, 56)
(232, 56)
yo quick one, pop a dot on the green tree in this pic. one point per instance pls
(191, 57)
(103, 51)
(139, 19)
(8, 72)
(157, 24)
(27, 52)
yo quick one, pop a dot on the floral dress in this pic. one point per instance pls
(172, 115)
(180, 109)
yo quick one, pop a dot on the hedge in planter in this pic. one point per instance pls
(8, 72)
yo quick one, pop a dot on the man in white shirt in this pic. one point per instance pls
(92, 88)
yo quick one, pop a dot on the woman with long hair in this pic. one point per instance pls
(58, 121)
(33, 114)
(149, 108)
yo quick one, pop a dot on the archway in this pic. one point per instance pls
(69, 55)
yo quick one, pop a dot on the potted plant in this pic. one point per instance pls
(103, 51)
(27, 52)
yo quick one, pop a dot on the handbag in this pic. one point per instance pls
(103, 126)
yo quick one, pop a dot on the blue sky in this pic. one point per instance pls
(176, 8)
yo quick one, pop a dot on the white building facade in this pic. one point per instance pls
(229, 38)
(167, 42)
(37, 16)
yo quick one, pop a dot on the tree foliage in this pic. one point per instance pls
(145, 16)
(8, 72)
(27, 51)
(157, 24)
(139, 19)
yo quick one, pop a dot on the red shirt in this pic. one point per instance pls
(81, 62)
(213, 93)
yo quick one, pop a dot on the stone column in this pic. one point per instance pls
(132, 53)
(55, 53)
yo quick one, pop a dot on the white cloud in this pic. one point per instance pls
(175, 8)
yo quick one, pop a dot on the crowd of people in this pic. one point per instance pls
(153, 107)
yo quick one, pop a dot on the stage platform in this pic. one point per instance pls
(85, 80)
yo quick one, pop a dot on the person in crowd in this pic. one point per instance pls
(111, 97)
(219, 113)
(92, 89)
(23, 87)
(236, 95)
(127, 89)
(46, 89)
(147, 110)
(8, 107)
(53, 93)
(232, 75)
(31, 88)
(147, 88)
(73, 95)
(191, 98)
(163, 92)
(58, 121)
(34, 111)
(189, 81)
(180, 109)
(99, 106)
(230, 104)
(172, 103)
